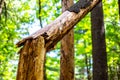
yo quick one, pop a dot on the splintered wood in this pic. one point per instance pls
(35, 46)
(57, 29)
(31, 60)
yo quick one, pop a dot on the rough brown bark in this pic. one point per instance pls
(67, 50)
(57, 29)
(31, 60)
(98, 44)
(35, 46)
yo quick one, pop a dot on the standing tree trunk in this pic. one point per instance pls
(31, 62)
(98, 44)
(119, 7)
(1, 5)
(118, 69)
(87, 62)
(118, 72)
(67, 50)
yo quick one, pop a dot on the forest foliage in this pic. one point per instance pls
(20, 15)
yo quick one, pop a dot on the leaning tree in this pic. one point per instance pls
(35, 46)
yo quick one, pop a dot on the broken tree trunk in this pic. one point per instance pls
(36, 45)
(57, 29)
(31, 61)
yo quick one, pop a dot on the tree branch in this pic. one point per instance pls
(56, 30)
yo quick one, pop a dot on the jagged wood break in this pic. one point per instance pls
(54, 31)
(35, 46)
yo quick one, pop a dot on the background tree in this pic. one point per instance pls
(119, 7)
(12, 21)
(98, 44)
(1, 5)
(67, 50)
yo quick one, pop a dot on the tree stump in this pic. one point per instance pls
(31, 60)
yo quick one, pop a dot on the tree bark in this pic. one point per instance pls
(67, 50)
(87, 62)
(98, 44)
(32, 54)
(57, 29)
(118, 70)
(31, 61)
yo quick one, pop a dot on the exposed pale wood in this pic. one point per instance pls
(55, 31)
(32, 54)
(31, 60)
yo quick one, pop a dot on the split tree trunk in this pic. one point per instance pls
(67, 50)
(35, 46)
(31, 61)
(57, 29)
(98, 44)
